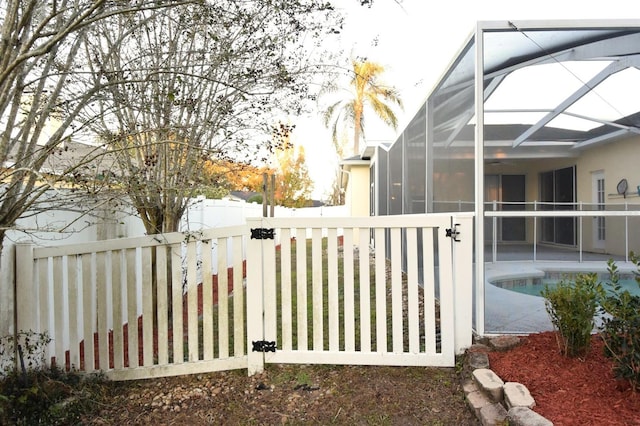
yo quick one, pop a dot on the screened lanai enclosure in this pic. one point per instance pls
(534, 127)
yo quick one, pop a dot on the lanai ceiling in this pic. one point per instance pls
(550, 90)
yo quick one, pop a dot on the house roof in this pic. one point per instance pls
(244, 195)
(356, 160)
(82, 158)
(551, 88)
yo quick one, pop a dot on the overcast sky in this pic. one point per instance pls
(417, 40)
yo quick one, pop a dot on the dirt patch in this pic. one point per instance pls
(291, 394)
(569, 391)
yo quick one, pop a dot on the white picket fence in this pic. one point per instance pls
(155, 306)
(97, 303)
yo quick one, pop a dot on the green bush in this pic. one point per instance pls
(49, 396)
(257, 198)
(34, 394)
(620, 329)
(572, 307)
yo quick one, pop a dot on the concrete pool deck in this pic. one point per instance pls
(508, 311)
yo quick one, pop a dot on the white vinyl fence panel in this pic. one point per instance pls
(380, 290)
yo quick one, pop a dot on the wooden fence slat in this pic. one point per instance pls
(269, 296)
(102, 310)
(72, 277)
(207, 300)
(88, 318)
(223, 299)
(59, 318)
(162, 310)
(192, 302)
(147, 307)
(396, 290)
(347, 282)
(238, 298)
(413, 314)
(381, 291)
(364, 289)
(43, 325)
(317, 287)
(132, 308)
(176, 303)
(428, 286)
(301, 289)
(285, 289)
(332, 289)
(116, 297)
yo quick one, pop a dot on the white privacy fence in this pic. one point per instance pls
(136, 307)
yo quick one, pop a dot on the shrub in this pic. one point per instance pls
(34, 394)
(620, 329)
(572, 307)
(49, 396)
(257, 198)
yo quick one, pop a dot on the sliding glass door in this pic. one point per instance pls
(509, 192)
(558, 192)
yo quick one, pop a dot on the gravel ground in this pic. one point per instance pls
(291, 394)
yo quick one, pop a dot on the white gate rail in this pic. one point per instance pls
(336, 328)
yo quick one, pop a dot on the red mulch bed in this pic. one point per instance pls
(569, 391)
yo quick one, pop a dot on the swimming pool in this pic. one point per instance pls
(534, 285)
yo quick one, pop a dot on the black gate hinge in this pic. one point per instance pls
(262, 233)
(453, 232)
(264, 346)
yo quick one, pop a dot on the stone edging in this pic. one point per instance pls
(491, 400)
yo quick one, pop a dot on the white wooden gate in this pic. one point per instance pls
(357, 307)
(165, 305)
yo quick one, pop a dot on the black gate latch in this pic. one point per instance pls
(264, 346)
(262, 233)
(453, 232)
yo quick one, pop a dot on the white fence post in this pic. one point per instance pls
(463, 282)
(26, 305)
(255, 360)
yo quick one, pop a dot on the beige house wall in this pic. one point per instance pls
(357, 191)
(616, 160)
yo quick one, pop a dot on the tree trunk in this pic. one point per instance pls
(357, 123)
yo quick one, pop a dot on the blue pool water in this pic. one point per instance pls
(534, 285)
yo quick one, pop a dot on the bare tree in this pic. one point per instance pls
(194, 84)
(41, 93)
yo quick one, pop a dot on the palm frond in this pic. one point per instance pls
(367, 91)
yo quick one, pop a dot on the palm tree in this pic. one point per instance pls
(365, 89)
